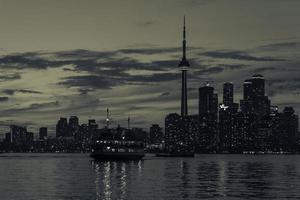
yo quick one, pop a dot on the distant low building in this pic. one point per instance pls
(155, 134)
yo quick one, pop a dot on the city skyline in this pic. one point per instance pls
(84, 77)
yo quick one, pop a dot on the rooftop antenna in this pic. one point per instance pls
(128, 121)
(107, 118)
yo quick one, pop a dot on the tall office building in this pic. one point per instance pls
(208, 118)
(247, 86)
(206, 100)
(255, 101)
(258, 85)
(62, 127)
(73, 126)
(228, 94)
(184, 66)
(17, 134)
(43, 133)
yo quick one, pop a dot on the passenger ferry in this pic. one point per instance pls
(117, 150)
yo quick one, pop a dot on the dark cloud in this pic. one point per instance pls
(36, 106)
(84, 91)
(10, 77)
(165, 94)
(146, 23)
(211, 70)
(31, 107)
(86, 60)
(283, 85)
(70, 70)
(107, 82)
(84, 54)
(150, 51)
(25, 91)
(135, 108)
(237, 55)
(263, 69)
(158, 77)
(21, 61)
(3, 99)
(234, 66)
(279, 46)
(90, 81)
(12, 122)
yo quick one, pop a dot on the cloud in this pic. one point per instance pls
(211, 70)
(107, 82)
(263, 69)
(149, 51)
(234, 66)
(3, 99)
(31, 107)
(106, 75)
(279, 46)
(84, 54)
(237, 55)
(10, 77)
(165, 94)
(154, 78)
(36, 106)
(8, 123)
(283, 86)
(84, 91)
(25, 91)
(25, 60)
(146, 23)
(90, 81)
(89, 61)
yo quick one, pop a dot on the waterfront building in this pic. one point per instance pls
(43, 132)
(155, 134)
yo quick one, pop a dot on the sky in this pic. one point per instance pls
(78, 57)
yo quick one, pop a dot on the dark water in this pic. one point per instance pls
(76, 176)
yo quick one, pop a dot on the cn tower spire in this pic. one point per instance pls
(184, 41)
(184, 66)
(184, 62)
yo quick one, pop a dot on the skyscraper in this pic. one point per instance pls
(62, 127)
(258, 85)
(206, 103)
(247, 89)
(184, 66)
(73, 126)
(227, 94)
(255, 100)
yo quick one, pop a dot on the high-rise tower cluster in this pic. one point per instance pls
(252, 126)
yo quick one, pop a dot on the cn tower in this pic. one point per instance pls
(184, 66)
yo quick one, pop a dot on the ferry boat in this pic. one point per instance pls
(117, 150)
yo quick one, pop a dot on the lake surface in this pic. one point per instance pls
(76, 176)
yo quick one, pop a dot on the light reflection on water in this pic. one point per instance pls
(76, 176)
